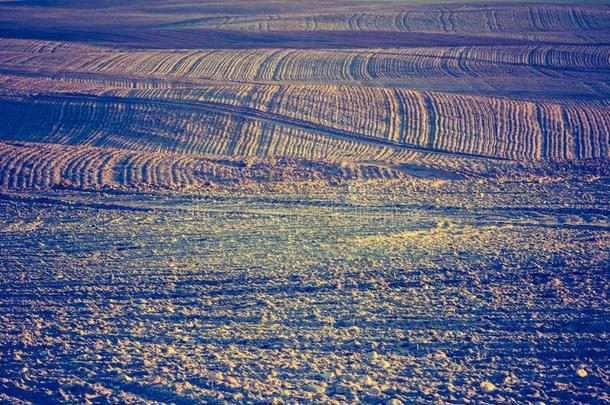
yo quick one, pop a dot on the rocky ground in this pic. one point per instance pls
(444, 291)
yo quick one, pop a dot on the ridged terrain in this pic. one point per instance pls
(27, 165)
(527, 71)
(304, 202)
(40, 166)
(543, 99)
(550, 61)
(529, 18)
(265, 120)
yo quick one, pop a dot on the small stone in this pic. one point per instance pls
(217, 376)
(440, 355)
(394, 401)
(187, 386)
(372, 356)
(487, 386)
(329, 320)
(561, 386)
(316, 389)
(367, 381)
(154, 379)
(122, 377)
(384, 364)
(581, 372)
(509, 379)
(231, 382)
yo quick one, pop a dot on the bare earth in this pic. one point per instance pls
(304, 202)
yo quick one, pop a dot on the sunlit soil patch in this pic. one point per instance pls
(429, 295)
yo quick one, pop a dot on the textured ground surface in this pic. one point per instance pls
(303, 297)
(359, 81)
(281, 202)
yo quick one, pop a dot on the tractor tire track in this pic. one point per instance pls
(268, 117)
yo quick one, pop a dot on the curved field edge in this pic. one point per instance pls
(272, 120)
(47, 166)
